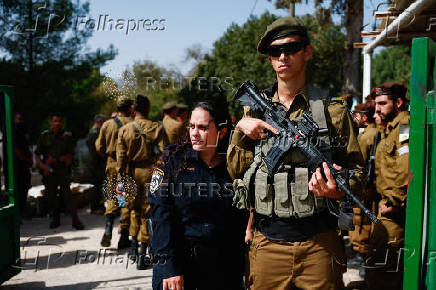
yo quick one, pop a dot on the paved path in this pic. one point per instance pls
(70, 259)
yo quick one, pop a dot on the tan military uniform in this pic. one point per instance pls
(106, 146)
(387, 237)
(276, 265)
(174, 129)
(360, 236)
(136, 154)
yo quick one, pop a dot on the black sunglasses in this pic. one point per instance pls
(287, 48)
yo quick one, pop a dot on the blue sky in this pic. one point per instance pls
(185, 23)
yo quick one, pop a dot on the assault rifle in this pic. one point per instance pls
(371, 161)
(293, 136)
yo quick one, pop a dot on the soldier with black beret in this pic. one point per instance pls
(296, 242)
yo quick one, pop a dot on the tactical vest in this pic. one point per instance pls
(286, 193)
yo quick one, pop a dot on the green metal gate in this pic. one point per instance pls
(9, 220)
(420, 235)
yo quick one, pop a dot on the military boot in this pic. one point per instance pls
(133, 252)
(56, 221)
(124, 241)
(107, 236)
(75, 221)
(143, 261)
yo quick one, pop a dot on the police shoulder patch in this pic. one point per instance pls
(156, 179)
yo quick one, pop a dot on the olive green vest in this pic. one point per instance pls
(286, 193)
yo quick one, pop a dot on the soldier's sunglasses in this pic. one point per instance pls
(287, 48)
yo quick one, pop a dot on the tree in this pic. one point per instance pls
(352, 12)
(44, 59)
(159, 84)
(235, 59)
(391, 64)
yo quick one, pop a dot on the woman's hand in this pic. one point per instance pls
(248, 237)
(173, 283)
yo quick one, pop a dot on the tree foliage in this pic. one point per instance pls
(235, 59)
(159, 84)
(46, 62)
(391, 64)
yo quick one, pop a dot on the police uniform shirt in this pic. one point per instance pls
(191, 202)
(392, 160)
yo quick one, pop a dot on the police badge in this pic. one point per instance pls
(156, 179)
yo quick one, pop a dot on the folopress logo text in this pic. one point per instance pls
(107, 23)
(39, 253)
(46, 20)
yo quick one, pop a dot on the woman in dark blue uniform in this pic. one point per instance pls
(198, 238)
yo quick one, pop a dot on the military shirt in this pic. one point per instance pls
(49, 144)
(392, 160)
(174, 129)
(107, 139)
(366, 141)
(345, 148)
(97, 161)
(133, 147)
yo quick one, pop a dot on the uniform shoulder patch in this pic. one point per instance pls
(156, 179)
(404, 133)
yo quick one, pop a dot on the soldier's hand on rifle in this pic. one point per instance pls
(320, 187)
(254, 128)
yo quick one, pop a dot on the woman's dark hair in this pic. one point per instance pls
(221, 118)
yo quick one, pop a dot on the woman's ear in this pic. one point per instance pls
(222, 133)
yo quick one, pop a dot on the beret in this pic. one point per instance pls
(124, 100)
(396, 89)
(142, 100)
(280, 28)
(182, 106)
(169, 106)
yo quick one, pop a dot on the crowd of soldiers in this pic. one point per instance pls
(383, 123)
(281, 228)
(130, 144)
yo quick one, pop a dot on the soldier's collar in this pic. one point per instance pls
(303, 93)
(121, 114)
(397, 120)
(140, 118)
